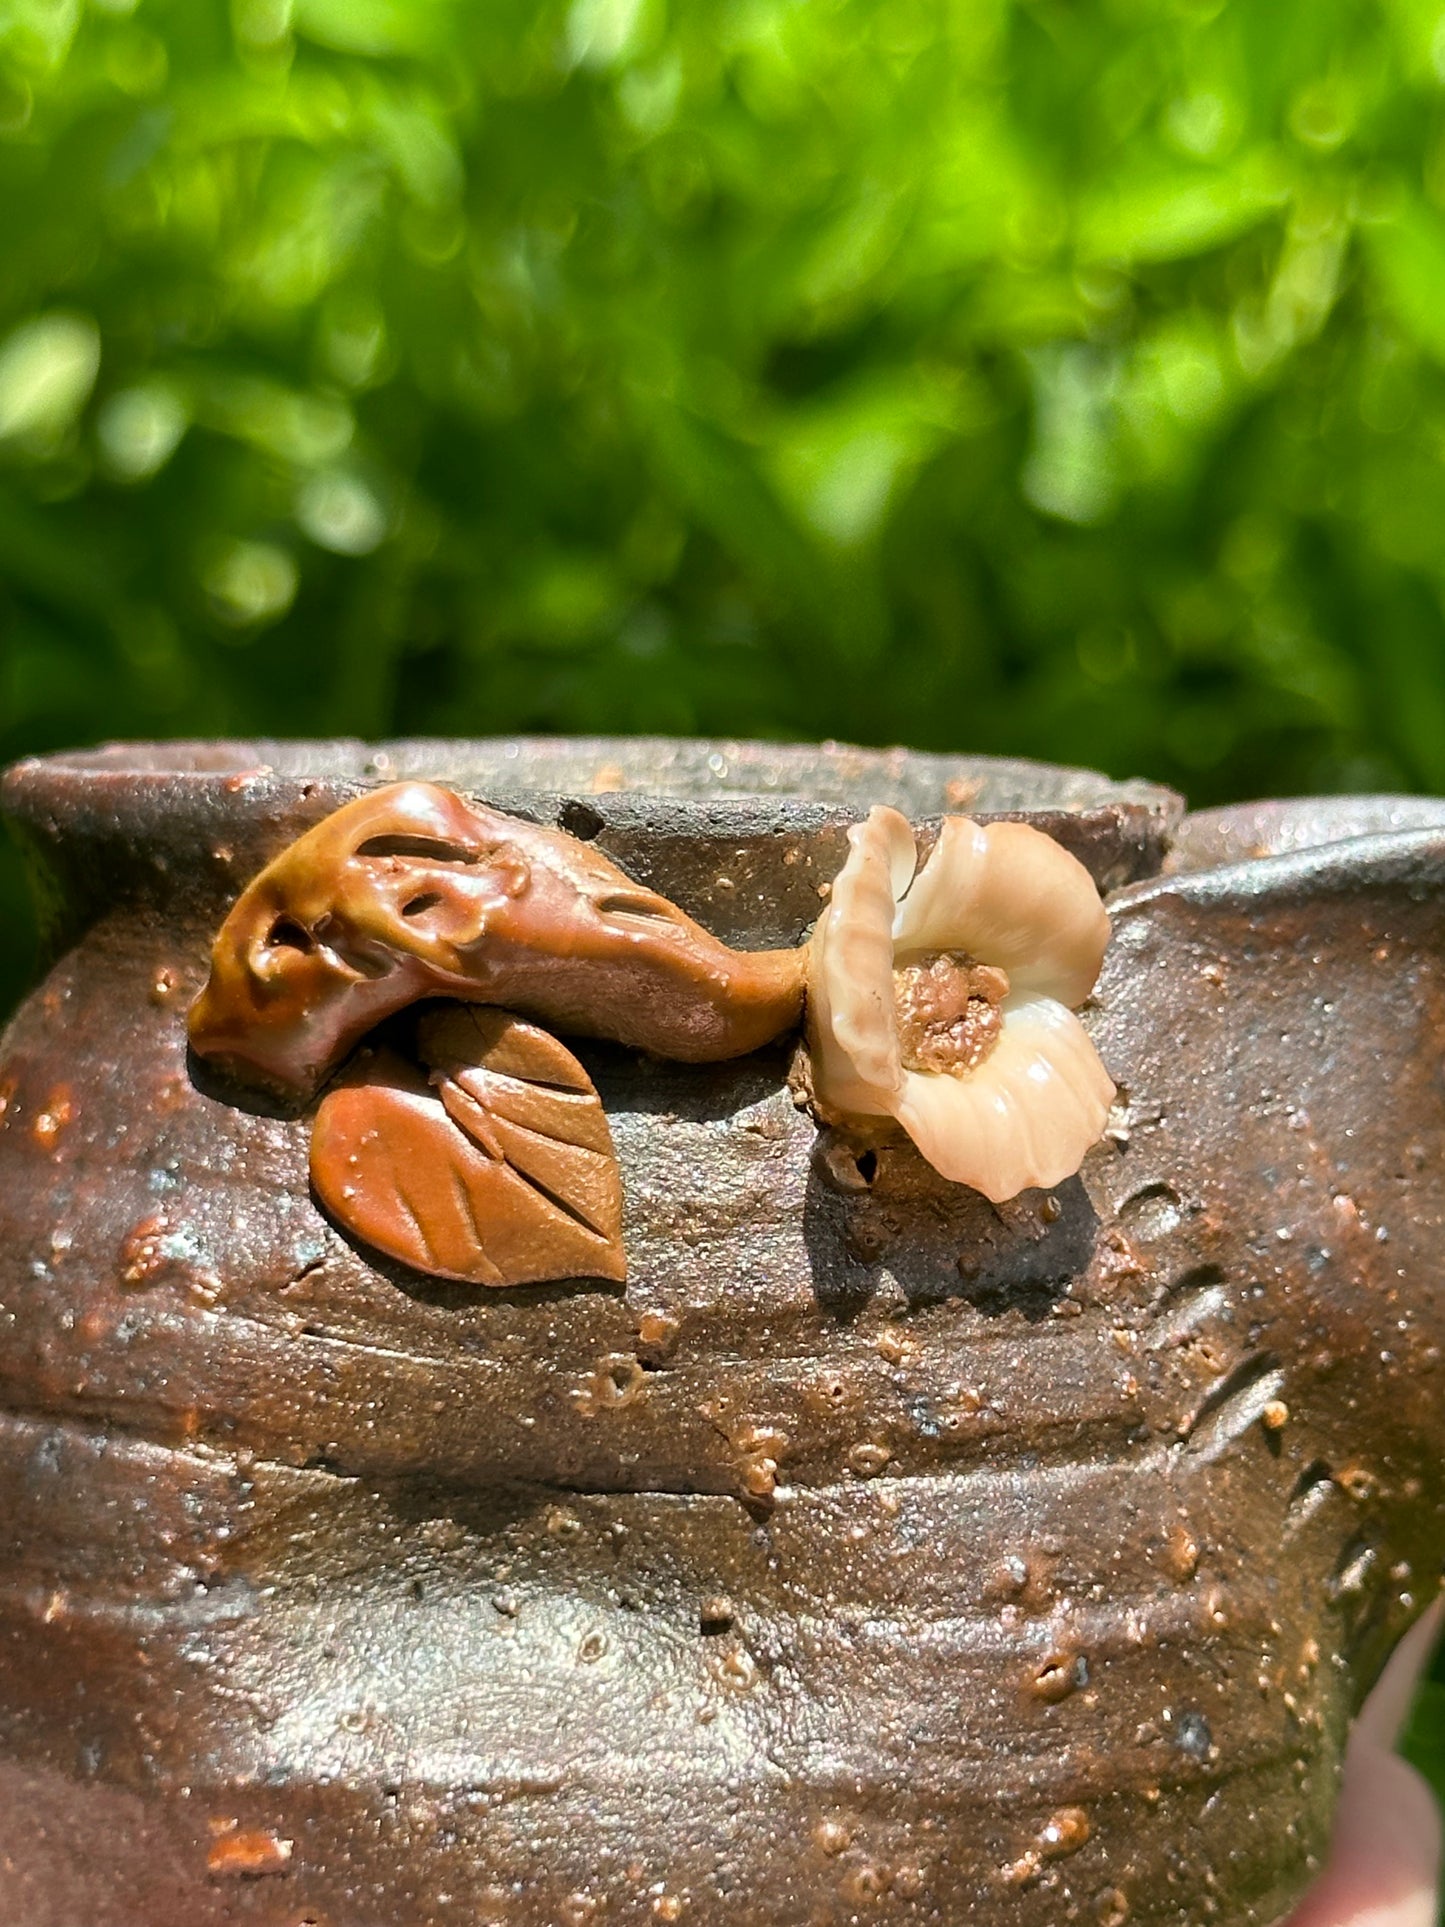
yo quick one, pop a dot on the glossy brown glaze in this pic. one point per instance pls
(483, 1155)
(874, 1555)
(412, 891)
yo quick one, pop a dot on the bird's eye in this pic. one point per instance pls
(286, 934)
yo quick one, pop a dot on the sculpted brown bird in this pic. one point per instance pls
(412, 891)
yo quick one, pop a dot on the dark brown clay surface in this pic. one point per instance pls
(876, 1554)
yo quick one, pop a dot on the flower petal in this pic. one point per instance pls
(1011, 896)
(1025, 1117)
(851, 1021)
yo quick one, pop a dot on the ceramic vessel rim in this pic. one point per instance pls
(677, 771)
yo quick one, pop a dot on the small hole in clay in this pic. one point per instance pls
(867, 1162)
(1312, 1489)
(418, 906)
(618, 1379)
(1058, 1676)
(581, 820)
(716, 1615)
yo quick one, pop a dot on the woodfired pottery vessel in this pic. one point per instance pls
(335, 1594)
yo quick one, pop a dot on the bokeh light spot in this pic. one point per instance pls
(48, 367)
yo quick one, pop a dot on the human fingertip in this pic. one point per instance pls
(1384, 1865)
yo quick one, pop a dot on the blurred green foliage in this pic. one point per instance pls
(1063, 377)
(1053, 377)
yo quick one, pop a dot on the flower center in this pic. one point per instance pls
(947, 1011)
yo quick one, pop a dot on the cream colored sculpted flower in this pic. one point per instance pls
(945, 999)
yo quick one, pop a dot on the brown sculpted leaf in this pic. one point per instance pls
(490, 1161)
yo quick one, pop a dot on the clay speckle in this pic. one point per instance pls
(252, 1854)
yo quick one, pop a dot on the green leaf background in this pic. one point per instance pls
(1058, 377)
